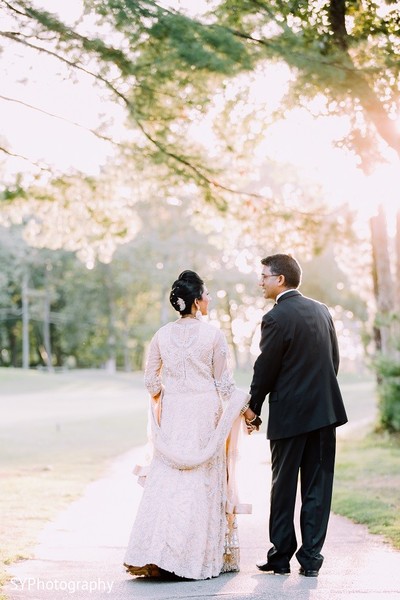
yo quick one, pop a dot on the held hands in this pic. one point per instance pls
(252, 421)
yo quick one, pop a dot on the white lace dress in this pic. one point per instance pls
(185, 522)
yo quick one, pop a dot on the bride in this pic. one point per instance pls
(186, 522)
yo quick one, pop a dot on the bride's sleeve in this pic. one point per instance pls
(152, 374)
(222, 371)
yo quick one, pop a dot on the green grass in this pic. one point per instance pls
(58, 432)
(367, 474)
(367, 483)
(359, 397)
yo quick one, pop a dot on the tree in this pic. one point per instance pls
(162, 66)
(104, 315)
(344, 52)
(165, 66)
(166, 69)
(386, 326)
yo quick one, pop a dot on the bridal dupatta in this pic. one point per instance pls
(229, 431)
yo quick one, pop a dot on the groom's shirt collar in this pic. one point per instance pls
(285, 292)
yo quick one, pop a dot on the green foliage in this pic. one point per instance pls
(197, 46)
(12, 192)
(162, 65)
(388, 372)
(166, 66)
(322, 276)
(347, 52)
(109, 311)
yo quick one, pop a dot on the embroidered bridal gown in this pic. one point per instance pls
(185, 523)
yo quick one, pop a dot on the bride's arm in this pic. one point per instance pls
(222, 372)
(152, 374)
(225, 383)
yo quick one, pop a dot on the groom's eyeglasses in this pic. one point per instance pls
(266, 276)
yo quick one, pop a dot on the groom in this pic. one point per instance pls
(297, 367)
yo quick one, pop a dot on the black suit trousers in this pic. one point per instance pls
(312, 455)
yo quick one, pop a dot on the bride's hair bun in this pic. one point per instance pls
(185, 290)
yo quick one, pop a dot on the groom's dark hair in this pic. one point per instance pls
(284, 264)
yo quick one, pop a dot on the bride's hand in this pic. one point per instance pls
(252, 421)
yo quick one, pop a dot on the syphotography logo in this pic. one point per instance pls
(64, 585)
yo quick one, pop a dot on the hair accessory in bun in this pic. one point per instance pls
(181, 303)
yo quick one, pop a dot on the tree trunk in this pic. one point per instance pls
(358, 85)
(397, 298)
(383, 281)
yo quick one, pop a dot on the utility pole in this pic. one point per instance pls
(25, 320)
(46, 320)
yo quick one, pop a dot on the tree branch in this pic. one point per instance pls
(74, 123)
(14, 155)
(196, 171)
(318, 60)
(16, 38)
(358, 85)
(14, 9)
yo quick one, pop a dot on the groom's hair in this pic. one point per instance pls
(284, 264)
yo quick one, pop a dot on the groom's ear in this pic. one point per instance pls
(282, 280)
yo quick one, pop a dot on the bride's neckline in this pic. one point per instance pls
(189, 318)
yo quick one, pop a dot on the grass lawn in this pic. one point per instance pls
(367, 483)
(58, 431)
(367, 475)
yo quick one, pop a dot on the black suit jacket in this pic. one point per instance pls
(297, 367)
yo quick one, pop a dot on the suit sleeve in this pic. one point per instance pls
(268, 363)
(335, 345)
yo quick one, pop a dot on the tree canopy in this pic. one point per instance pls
(165, 66)
(344, 51)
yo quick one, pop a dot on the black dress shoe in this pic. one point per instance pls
(267, 567)
(308, 572)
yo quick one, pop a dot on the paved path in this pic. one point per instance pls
(79, 555)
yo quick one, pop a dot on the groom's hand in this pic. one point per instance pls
(252, 420)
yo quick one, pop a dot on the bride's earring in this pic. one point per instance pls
(198, 315)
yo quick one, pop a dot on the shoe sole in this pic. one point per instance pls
(275, 571)
(308, 573)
